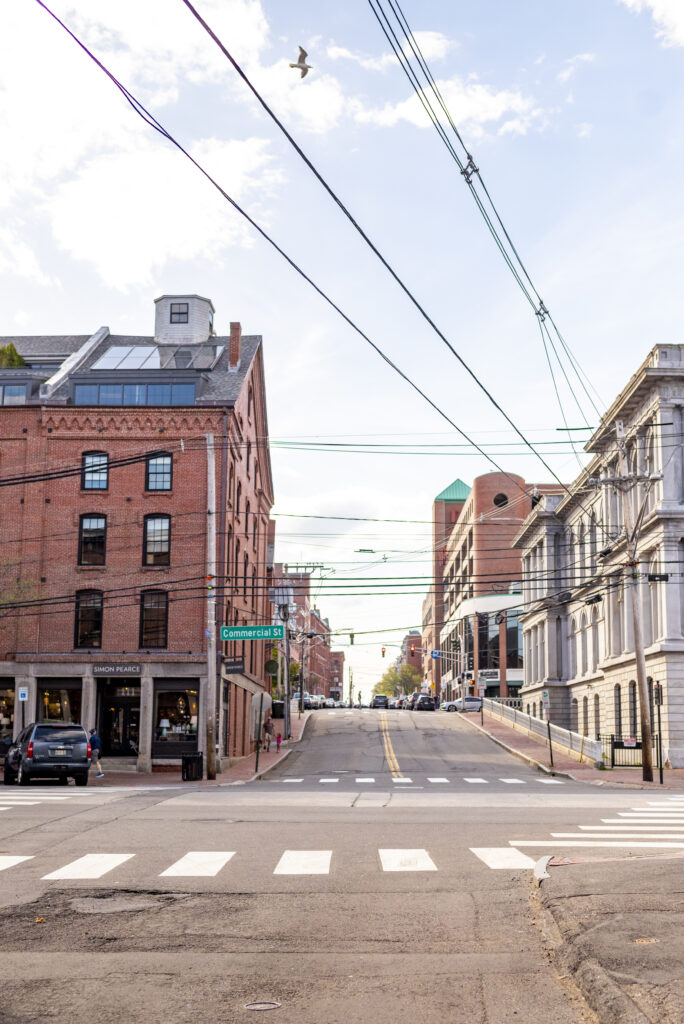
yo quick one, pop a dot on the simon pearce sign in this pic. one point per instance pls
(117, 670)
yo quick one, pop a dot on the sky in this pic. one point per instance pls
(573, 112)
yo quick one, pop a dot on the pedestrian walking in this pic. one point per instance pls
(268, 733)
(279, 740)
(95, 748)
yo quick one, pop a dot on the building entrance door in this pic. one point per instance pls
(120, 721)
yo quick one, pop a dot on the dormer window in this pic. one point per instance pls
(179, 312)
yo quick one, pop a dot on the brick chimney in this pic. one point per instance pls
(235, 344)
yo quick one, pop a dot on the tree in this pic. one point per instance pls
(9, 357)
(396, 681)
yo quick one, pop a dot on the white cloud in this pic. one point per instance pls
(573, 63)
(668, 16)
(433, 46)
(473, 106)
(17, 257)
(130, 213)
(584, 130)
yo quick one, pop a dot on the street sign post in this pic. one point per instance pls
(23, 697)
(435, 654)
(252, 632)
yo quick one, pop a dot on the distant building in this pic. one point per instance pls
(337, 680)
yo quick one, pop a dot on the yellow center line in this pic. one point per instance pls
(390, 756)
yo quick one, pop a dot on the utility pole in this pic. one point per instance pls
(351, 686)
(632, 531)
(211, 609)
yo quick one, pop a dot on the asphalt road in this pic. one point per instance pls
(381, 873)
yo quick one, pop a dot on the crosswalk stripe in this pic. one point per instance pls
(550, 782)
(502, 857)
(293, 780)
(364, 780)
(611, 835)
(406, 860)
(20, 803)
(627, 827)
(643, 821)
(592, 842)
(402, 780)
(9, 862)
(438, 780)
(517, 782)
(304, 862)
(475, 780)
(197, 864)
(328, 780)
(18, 798)
(92, 865)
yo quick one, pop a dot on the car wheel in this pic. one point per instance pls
(82, 779)
(22, 775)
(451, 707)
(64, 780)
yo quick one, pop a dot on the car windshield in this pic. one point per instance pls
(60, 733)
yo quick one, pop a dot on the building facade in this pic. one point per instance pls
(577, 575)
(137, 502)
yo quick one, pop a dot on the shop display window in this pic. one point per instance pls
(59, 704)
(175, 720)
(6, 717)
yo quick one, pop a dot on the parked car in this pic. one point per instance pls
(329, 702)
(48, 750)
(424, 703)
(307, 700)
(410, 701)
(380, 701)
(472, 704)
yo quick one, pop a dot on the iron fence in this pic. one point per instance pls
(625, 751)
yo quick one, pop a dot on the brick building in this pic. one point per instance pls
(481, 638)
(411, 653)
(321, 664)
(337, 680)
(112, 442)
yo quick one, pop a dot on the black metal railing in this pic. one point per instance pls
(625, 751)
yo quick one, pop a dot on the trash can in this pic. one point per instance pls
(193, 767)
(278, 709)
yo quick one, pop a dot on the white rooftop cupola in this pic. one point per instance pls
(183, 319)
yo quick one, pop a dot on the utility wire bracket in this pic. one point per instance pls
(542, 312)
(469, 170)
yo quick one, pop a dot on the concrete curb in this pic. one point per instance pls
(270, 767)
(518, 753)
(605, 997)
(539, 871)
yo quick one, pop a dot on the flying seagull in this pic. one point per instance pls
(301, 62)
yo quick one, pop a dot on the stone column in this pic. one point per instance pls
(89, 701)
(146, 719)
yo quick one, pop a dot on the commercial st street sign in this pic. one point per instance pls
(252, 632)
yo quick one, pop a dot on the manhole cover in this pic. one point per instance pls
(262, 1006)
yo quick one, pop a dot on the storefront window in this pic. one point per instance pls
(175, 720)
(59, 702)
(6, 717)
(514, 643)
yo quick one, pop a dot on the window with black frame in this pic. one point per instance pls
(176, 711)
(179, 312)
(88, 625)
(154, 618)
(157, 540)
(92, 540)
(94, 471)
(159, 472)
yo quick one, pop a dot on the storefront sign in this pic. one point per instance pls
(233, 666)
(23, 693)
(117, 670)
(252, 632)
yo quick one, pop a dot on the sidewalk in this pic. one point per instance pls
(620, 934)
(240, 772)
(536, 751)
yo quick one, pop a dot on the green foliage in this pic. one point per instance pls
(397, 681)
(9, 357)
(295, 669)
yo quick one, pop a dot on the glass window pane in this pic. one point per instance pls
(157, 529)
(112, 357)
(176, 717)
(86, 394)
(159, 473)
(95, 471)
(89, 619)
(139, 355)
(60, 705)
(183, 394)
(110, 394)
(92, 540)
(153, 619)
(135, 394)
(15, 394)
(159, 394)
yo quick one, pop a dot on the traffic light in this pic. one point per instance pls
(413, 648)
(210, 582)
(383, 651)
(351, 639)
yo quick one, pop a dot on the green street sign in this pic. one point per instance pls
(252, 632)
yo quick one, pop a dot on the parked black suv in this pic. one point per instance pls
(47, 750)
(380, 701)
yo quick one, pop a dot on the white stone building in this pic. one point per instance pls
(577, 619)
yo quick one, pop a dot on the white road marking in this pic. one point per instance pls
(550, 843)
(646, 812)
(518, 782)
(611, 835)
(304, 862)
(475, 780)
(550, 782)
(628, 828)
(438, 780)
(19, 803)
(92, 865)
(364, 780)
(328, 780)
(36, 797)
(198, 864)
(658, 809)
(502, 857)
(641, 820)
(403, 780)
(9, 862)
(349, 712)
(293, 780)
(406, 860)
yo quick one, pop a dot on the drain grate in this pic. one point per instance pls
(262, 1006)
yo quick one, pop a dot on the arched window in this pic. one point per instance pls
(248, 509)
(572, 666)
(231, 482)
(584, 663)
(238, 499)
(592, 546)
(594, 639)
(250, 402)
(654, 604)
(574, 715)
(581, 555)
(534, 709)
(585, 714)
(236, 574)
(649, 683)
(253, 588)
(542, 651)
(248, 460)
(528, 709)
(229, 550)
(559, 647)
(597, 715)
(632, 702)
(617, 709)
(255, 525)
(244, 575)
